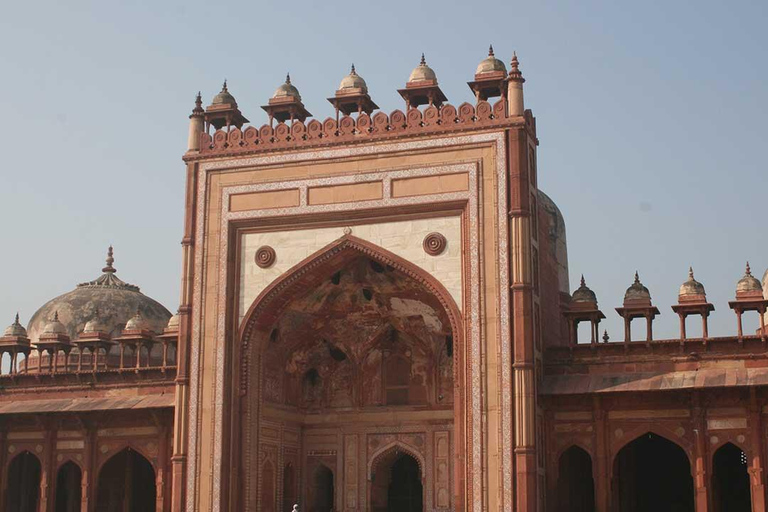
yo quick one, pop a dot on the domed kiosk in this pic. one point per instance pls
(107, 299)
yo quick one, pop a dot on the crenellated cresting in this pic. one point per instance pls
(363, 127)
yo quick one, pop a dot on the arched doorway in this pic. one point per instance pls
(730, 480)
(575, 485)
(68, 490)
(349, 332)
(321, 493)
(652, 473)
(289, 487)
(23, 490)
(126, 484)
(396, 483)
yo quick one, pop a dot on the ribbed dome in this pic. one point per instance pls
(637, 291)
(115, 300)
(490, 64)
(55, 326)
(353, 81)
(224, 98)
(691, 286)
(422, 72)
(748, 283)
(583, 293)
(287, 90)
(15, 329)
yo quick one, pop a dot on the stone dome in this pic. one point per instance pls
(583, 293)
(490, 64)
(637, 292)
(748, 283)
(115, 300)
(353, 81)
(765, 284)
(422, 72)
(55, 326)
(137, 323)
(691, 286)
(287, 90)
(15, 329)
(224, 98)
(173, 324)
(558, 241)
(94, 324)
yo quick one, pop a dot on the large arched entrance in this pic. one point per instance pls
(730, 480)
(126, 484)
(396, 483)
(575, 484)
(68, 488)
(349, 333)
(23, 490)
(652, 473)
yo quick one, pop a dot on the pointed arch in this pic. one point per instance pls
(731, 489)
(575, 482)
(69, 478)
(23, 482)
(326, 261)
(126, 479)
(385, 450)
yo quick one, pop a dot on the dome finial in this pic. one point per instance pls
(56, 316)
(583, 283)
(423, 60)
(110, 260)
(199, 100)
(605, 336)
(16, 321)
(690, 272)
(490, 51)
(749, 270)
(637, 278)
(352, 71)
(287, 78)
(224, 87)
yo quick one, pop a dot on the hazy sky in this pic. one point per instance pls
(651, 116)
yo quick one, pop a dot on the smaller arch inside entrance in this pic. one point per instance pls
(321, 494)
(396, 483)
(730, 480)
(575, 485)
(652, 473)
(23, 491)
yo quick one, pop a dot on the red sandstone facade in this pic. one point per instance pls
(375, 315)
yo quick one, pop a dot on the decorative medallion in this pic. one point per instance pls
(434, 244)
(265, 256)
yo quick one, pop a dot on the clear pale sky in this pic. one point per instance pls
(651, 116)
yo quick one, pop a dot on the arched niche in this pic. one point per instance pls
(575, 483)
(69, 491)
(126, 483)
(396, 480)
(731, 490)
(652, 473)
(23, 483)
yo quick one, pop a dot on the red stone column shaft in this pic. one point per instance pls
(600, 467)
(756, 466)
(700, 460)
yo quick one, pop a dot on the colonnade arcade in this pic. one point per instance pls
(347, 387)
(653, 472)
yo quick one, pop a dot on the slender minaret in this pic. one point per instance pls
(195, 125)
(515, 89)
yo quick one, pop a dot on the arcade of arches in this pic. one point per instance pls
(357, 363)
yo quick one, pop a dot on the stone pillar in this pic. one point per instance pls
(195, 125)
(524, 392)
(515, 104)
(162, 465)
(600, 468)
(701, 494)
(756, 466)
(89, 473)
(3, 460)
(181, 412)
(47, 474)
